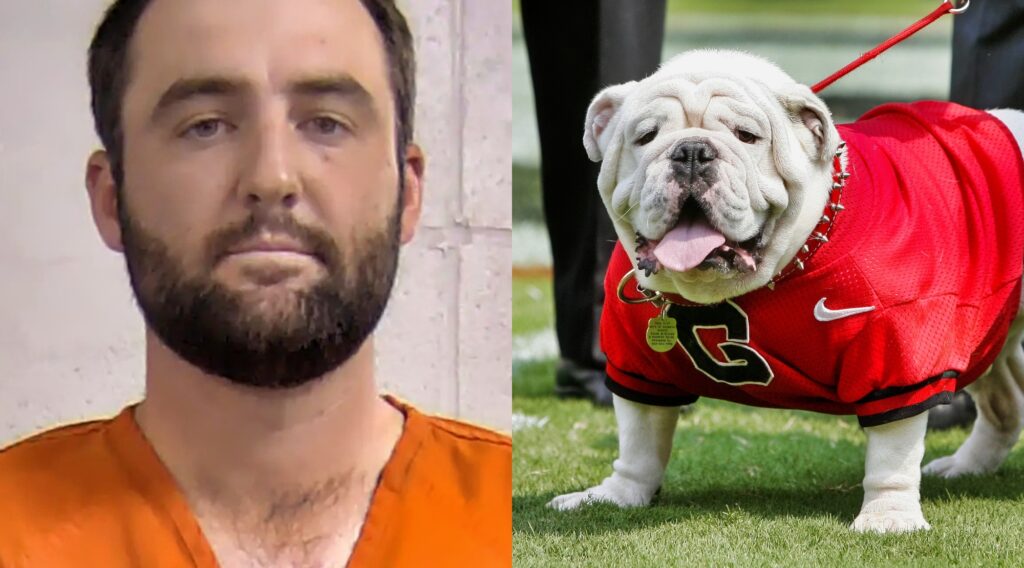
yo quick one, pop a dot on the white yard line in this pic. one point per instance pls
(522, 421)
(530, 246)
(539, 346)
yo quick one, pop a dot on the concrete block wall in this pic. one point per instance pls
(71, 339)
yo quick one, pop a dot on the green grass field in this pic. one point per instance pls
(745, 487)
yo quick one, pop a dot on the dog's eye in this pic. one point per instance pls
(746, 137)
(646, 138)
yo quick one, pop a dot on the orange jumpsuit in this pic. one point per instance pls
(96, 494)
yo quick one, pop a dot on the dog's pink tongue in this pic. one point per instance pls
(688, 244)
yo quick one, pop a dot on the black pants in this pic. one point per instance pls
(576, 49)
(988, 72)
(988, 55)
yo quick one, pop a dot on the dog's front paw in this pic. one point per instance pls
(883, 517)
(890, 522)
(614, 490)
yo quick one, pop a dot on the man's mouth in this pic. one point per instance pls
(695, 243)
(267, 245)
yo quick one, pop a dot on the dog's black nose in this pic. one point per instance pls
(690, 158)
(694, 151)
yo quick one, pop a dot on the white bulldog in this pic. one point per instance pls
(724, 178)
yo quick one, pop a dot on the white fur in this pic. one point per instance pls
(892, 477)
(709, 94)
(645, 444)
(894, 451)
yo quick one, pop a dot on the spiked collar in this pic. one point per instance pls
(823, 229)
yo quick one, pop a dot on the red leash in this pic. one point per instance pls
(946, 7)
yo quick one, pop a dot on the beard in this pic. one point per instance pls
(303, 336)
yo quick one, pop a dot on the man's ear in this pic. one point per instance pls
(806, 109)
(412, 191)
(603, 109)
(99, 180)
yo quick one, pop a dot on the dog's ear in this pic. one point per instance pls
(603, 110)
(805, 108)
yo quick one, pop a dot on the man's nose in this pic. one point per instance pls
(269, 177)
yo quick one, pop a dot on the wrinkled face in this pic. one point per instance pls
(704, 182)
(261, 211)
(705, 165)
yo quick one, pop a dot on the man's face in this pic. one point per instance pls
(260, 213)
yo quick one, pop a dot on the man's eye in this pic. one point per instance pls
(206, 129)
(325, 126)
(746, 137)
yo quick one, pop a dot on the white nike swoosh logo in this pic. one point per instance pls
(821, 313)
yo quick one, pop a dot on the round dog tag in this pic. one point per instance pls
(661, 333)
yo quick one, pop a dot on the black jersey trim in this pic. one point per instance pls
(895, 391)
(645, 398)
(636, 376)
(944, 397)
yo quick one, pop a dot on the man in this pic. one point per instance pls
(259, 177)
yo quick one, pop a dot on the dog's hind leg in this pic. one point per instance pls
(645, 444)
(1000, 403)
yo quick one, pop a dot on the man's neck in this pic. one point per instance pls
(241, 452)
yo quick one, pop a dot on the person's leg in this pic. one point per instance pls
(563, 67)
(573, 52)
(988, 48)
(632, 36)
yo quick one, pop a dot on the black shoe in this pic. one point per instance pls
(574, 381)
(959, 413)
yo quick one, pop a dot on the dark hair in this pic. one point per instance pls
(109, 67)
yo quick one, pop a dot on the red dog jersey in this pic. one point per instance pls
(931, 240)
